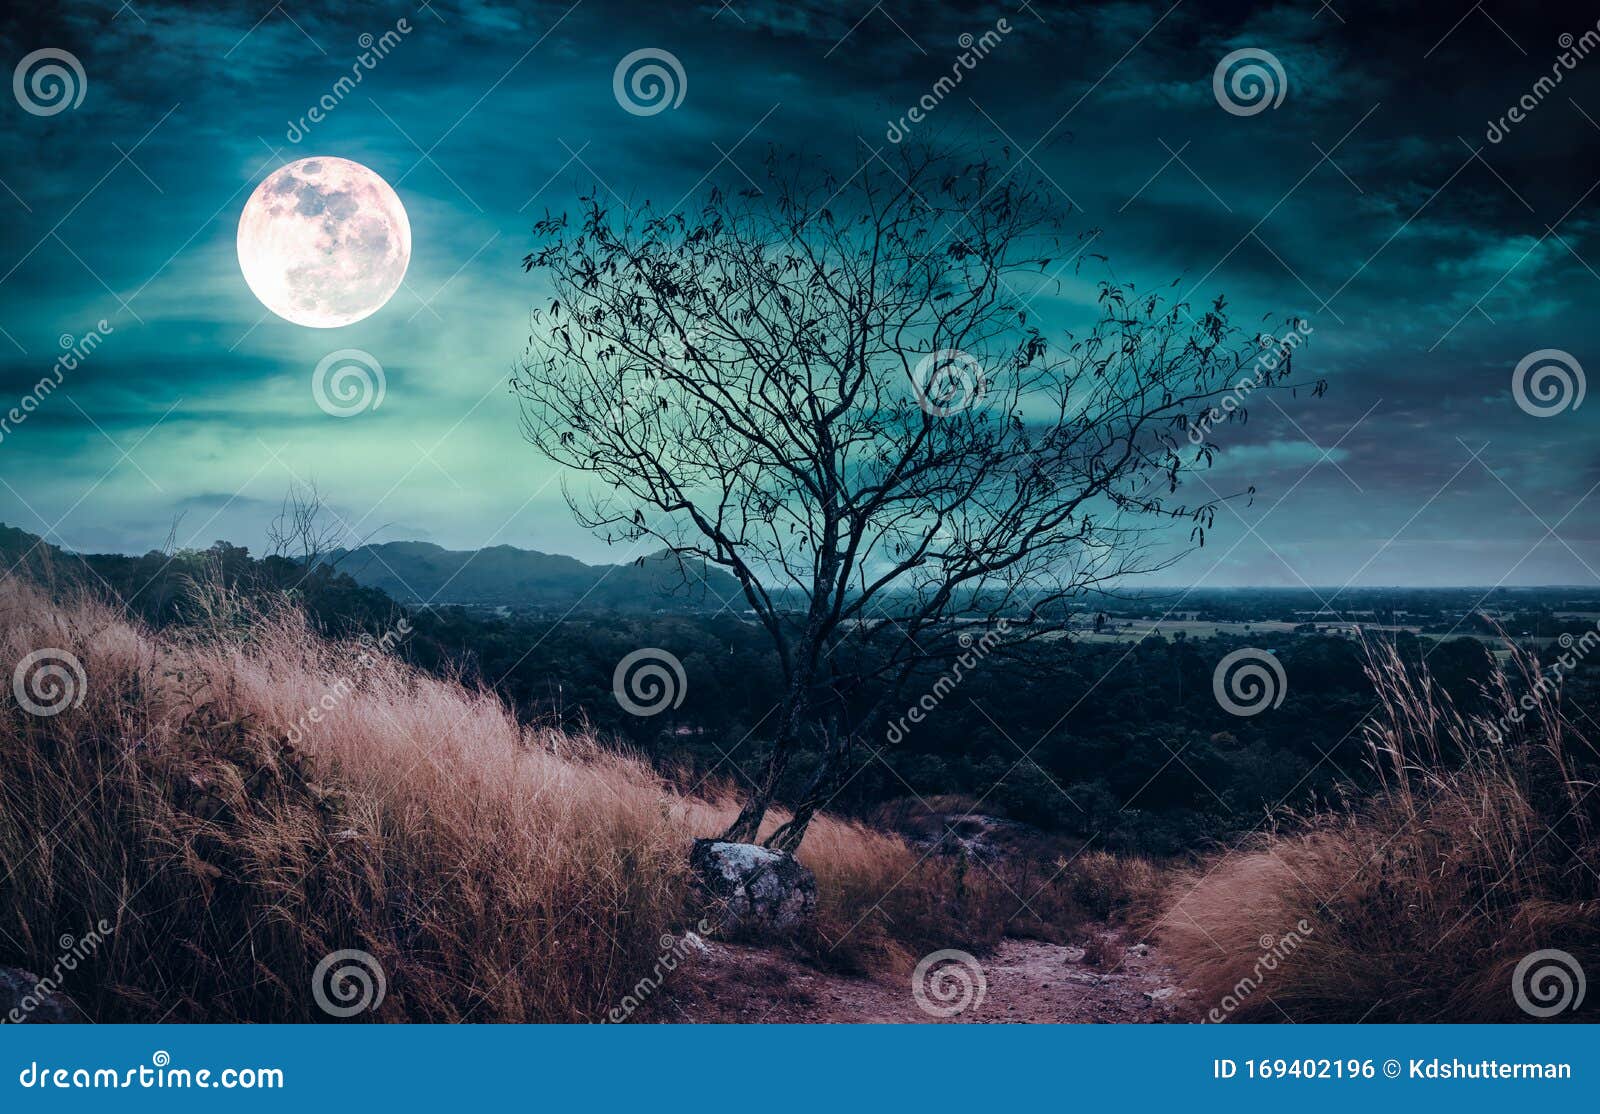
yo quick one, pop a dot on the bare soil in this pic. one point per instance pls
(1028, 981)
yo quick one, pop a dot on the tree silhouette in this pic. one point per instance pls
(837, 390)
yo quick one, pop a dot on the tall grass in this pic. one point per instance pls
(1417, 903)
(243, 797)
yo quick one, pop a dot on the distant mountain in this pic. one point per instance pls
(505, 576)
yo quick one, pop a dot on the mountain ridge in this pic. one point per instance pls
(422, 573)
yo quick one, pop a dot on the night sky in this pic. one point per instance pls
(1428, 260)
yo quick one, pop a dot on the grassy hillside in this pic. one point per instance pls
(1464, 889)
(237, 797)
(240, 797)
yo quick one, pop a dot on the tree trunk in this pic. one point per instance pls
(747, 826)
(835, 761)
(817, 793)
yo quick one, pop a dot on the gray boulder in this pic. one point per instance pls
(22, 1000)
(755, 890)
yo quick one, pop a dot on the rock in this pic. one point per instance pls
(756, 889)
(1072, 954)
(694, 941)
(1161, 995)
(974, 836)
(22, 1000)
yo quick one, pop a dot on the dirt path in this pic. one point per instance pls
(1027, 981)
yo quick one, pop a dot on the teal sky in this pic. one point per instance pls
(1429, 260)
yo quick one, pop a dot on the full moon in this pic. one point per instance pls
(324, 242)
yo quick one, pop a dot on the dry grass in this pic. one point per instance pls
(497, 872)
(1418, 903)
(1116, 889)
(1050, 887)
(883, 905)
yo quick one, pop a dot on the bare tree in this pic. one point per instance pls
(835, 389)
(302, 529)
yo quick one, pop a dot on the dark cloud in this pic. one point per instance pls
(1428, 259)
